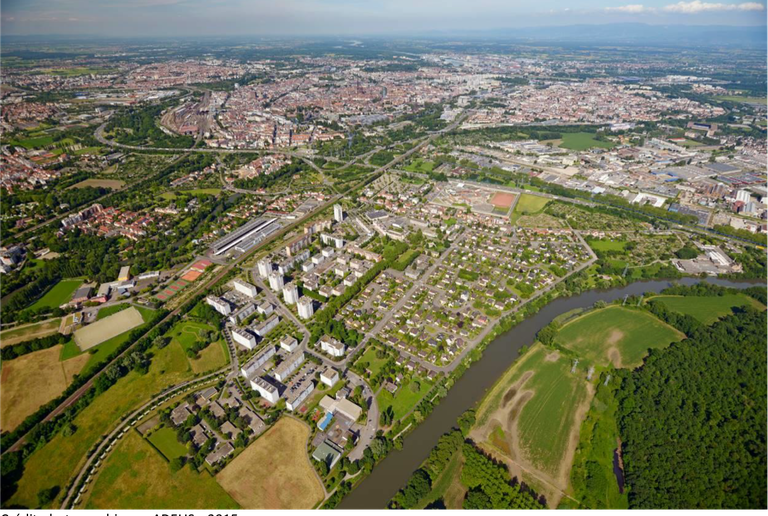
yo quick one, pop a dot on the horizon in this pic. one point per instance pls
(349, 18)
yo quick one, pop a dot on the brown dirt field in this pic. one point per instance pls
(74, 365)
(615, 336)
(502, 199)
(35, 331)
(274, 472)
(552, 357)
(29, 382)
(104, 329)
(615, 357)
(104, 183)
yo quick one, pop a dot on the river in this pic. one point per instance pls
(394, 471)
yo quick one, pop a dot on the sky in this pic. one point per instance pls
(150, 18)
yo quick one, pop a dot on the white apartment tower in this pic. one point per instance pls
(306, 308)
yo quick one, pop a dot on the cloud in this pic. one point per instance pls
(629, 9)
(697, 6)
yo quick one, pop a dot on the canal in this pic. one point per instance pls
(394, 471)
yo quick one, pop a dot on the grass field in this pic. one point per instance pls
(211, 358)
(707, 309)
(532, 415)
(203, 191)
(404, 399)
(606, 245)
(136, 477)
(103, 183)
(616, 335)
(32, 380)
(59, 294)
(165, 441)
(583, 141)
(374, 364)
(420, 165)
(29, 332)
(746, 100)
(274, 472)
(107, 328)
(528, 204)
(54, 463)
(111, 310)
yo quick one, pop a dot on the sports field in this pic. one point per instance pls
(136, 477)
(274, 472)
(29, 332)
(705, 308)
(32, 380)
(583, 141)
(59, 294)
(54, 463)
(532, 415)
(502, 199)
(616, 335)
(104, 329)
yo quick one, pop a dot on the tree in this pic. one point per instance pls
(177, 463)
(46, 496)
(69, 429)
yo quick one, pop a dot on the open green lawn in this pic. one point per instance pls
(528, 204)
(420, 165)
(110, 310)
(583, 141)
(165, 441)
(54, 463)
(374, 364)
(59, 294)
(405, 399)
(707, 309)
(38, 142)
(617, 335)
(203, 191)
(136, 477)
(606, 245)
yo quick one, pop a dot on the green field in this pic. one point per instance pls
(36, 142)
(29, 331)
(420, 165)
(448, 486)
(137, 477)
(110, 310)
(54, 463)
(59, 294)
(530, 415)
(213, 357)
(405, 399)
(616, 335)
(745, 100)
(374, 364)
(165, 441)
(606, 245)
(707, 309)
(583, 141)
(528, 204)
(203, 191)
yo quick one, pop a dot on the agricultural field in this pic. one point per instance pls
(29, 332)
(583, 141)
(32, 380)
(405, 398)
(745, 100)
(112, 184)
(616, 335)
(274, 472)
(136, 477)
(59, 294)
(707, 309)
(54, 463)
(531, 418)
(107, 328)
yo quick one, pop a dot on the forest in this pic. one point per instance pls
(693, 419)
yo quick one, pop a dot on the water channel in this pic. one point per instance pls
(394, 471)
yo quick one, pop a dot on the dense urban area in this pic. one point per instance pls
(245, 275)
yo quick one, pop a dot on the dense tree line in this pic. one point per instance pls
(138, 126)
(267, 180)
(30, 346)
(693, 419)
